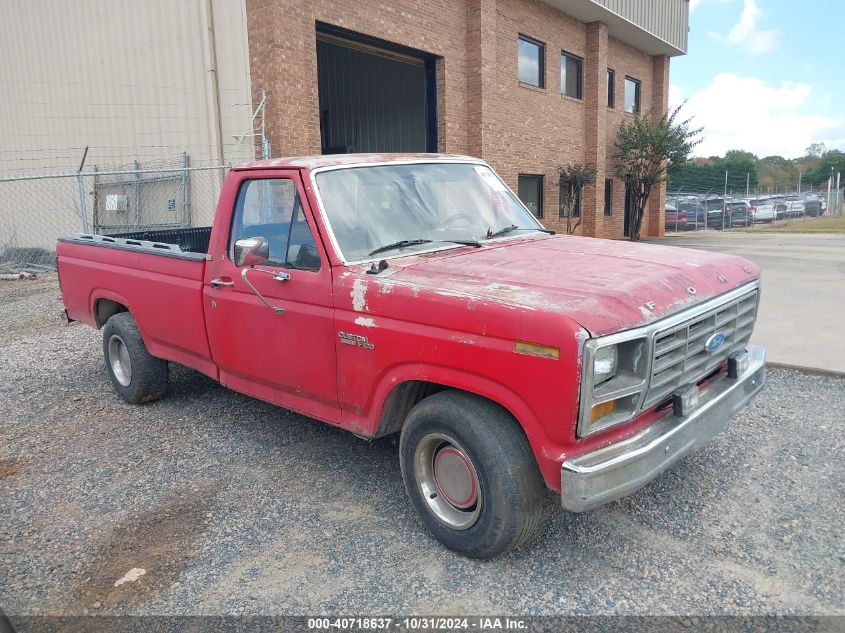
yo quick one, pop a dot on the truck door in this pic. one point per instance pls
(284, 355)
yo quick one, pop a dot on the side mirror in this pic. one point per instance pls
(250, 251)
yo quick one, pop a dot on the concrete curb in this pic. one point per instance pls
(813, 371)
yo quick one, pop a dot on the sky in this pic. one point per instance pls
(766, 76)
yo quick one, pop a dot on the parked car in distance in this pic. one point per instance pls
(676, 220)
(695, 211)
(790, 207)
(414, 294)
(813, 205)
(763, 210)
(737, 213)
(715, 207)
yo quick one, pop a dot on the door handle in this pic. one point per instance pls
(223, 281)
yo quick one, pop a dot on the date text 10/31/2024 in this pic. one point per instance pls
(434, 623)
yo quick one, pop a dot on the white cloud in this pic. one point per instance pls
(745, 113)
(694, 4)
(747, 23)
(747, 33)
(763, 41)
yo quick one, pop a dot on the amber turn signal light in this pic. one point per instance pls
(603, 409)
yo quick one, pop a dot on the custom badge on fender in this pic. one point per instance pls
(355, 339)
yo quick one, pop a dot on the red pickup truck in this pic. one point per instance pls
(415, 294)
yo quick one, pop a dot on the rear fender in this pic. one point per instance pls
(98, 294)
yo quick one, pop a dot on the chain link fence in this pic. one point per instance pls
(694, 208)
(36, 210)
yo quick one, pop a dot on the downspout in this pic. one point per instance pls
(217, 128)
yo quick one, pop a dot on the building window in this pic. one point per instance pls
(531, 65)
(531, 193)
(611, 88)
(570, 75)
(608, 196)
(632, 95)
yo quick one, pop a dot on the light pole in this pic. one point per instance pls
(829, 184)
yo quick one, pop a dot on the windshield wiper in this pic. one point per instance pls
(401, 243)
(514, 227)
(502, 231)
(475, 243)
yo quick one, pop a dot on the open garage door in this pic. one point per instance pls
(374, 99)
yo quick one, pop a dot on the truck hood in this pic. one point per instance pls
(605, 286)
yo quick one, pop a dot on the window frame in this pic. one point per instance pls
(541, 62)
(297, 211)
(608, 197)
(579, 87)
(611, 88)
(541, 200)
(637, 95)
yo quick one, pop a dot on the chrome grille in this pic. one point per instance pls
(679, 353)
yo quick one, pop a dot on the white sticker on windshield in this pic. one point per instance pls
(490, 178)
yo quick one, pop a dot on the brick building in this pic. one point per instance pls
(527, 85)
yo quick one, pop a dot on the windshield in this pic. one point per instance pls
(398, 209)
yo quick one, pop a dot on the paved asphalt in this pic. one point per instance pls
(802, 306)
(233, 506)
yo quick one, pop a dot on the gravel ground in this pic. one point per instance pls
(233, 506)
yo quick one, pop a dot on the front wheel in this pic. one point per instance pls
(136, 375)
(470, 474)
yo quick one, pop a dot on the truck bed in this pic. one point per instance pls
(157, 275)
(190, 240)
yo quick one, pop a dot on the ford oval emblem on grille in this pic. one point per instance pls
(714, 342)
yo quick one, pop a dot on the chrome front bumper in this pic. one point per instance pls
(593, 479)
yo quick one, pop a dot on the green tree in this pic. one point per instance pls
(830, 163)
(573, 179)
(741, 169)
(777, 173)
(647, 149)
(693, 175)
(816, 150)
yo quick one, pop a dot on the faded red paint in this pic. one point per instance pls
(450, 317)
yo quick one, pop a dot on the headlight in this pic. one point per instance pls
(604, 364)
(614, 381)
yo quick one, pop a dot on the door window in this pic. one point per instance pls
(271, 208)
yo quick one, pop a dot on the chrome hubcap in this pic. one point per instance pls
(448, 481)
(121, 365)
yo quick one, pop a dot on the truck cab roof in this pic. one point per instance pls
(337, 160)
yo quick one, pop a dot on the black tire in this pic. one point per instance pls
(146, 378)
(511, 488)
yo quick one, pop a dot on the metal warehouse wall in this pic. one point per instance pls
(132, 79)
(667, 19)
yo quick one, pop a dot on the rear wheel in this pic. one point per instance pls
(470, 474)
(136, 375)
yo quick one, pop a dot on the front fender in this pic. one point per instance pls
(449, 377)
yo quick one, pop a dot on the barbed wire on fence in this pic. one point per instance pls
(702, 205)
(148, 193)
(36, 210)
